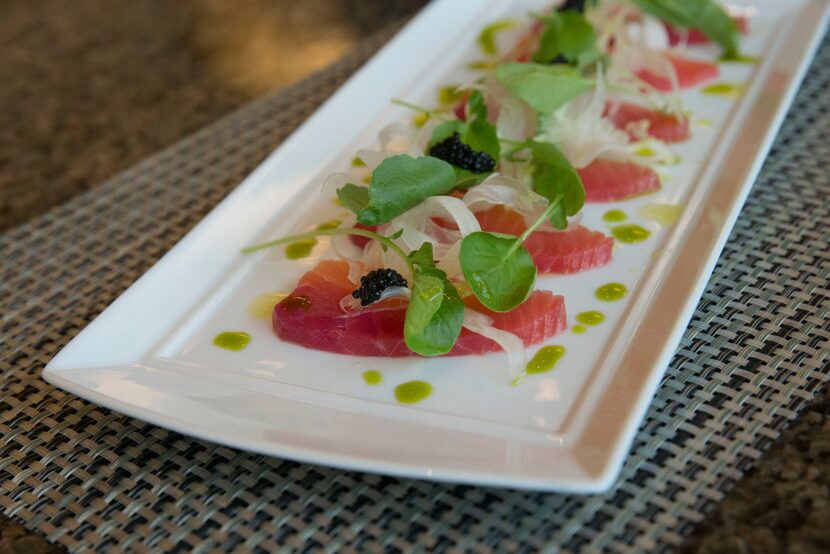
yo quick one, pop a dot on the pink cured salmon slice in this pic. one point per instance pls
(609, 180)
(662, 126)
(696, 36)
(570, 251)
(690, 73)
(311, 316)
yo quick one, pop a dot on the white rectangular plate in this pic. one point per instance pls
(150, 355)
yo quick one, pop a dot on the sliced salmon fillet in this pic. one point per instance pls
(570, 251)
(311, 316)
(609, 180)
(662, 126)
(696, 36)
(690, 73)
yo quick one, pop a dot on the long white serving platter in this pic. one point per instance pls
(150, 354)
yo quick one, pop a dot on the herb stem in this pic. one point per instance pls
(333, 232)
(535, 225)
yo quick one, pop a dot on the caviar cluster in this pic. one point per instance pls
(375, 282)
(455, 152)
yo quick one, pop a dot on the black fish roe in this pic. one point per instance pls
(455, 152)
(576, 5)
(375, 282)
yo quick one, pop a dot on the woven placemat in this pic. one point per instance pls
(88, 478)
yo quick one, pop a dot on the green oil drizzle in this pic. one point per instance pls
(740, 58)
(545, 359)
(578, 329)
(590, 318)
(420, 119)
(263, 305)
(450, 94)
(664, 214)
(232, 340)
(330, 224)
(300, 249)
(412, 392)
(728, 90)
(614, 216)
(630, 233)
(611, 292)
(645, 152)
(704, 123)
(372, 377)
(480, 65)
(357, 162)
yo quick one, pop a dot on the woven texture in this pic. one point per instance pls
(88, 478)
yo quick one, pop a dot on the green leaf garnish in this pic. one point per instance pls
(568, 35)
(706, 15)
(435, 313)
(555, 178)
(487, 37)
(398, 184)
(498, 268)
(544, 87)
(353, 197)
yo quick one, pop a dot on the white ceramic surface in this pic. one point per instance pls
(150, 355)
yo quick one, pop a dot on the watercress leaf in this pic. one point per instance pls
(353, 197)
(544, 87)
(567, 34)
(402, 182)
(487, 37)
(435, 312)
(706, 15)
(423, 257)
(434, 316)
(556, 179)
(465, 179)
(481, 135)
(445, 131)
(498, 268)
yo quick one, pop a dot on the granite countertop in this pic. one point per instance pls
(91, 87)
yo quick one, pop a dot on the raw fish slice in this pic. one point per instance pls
(570, 251)
(662, 126)
(609, 180)
(689, 73)
(311, 316)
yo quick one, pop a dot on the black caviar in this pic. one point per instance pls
(576, 5)
(455, 152)
(375, 282)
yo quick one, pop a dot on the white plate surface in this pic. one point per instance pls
(150, 355)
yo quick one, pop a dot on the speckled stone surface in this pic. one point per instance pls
(90, 87)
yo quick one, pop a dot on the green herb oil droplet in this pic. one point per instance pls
(614, 216)
(372, 377)
(631, 233)
(728, 90)
(300, 249)
(590, 318)
(578, 329)
(412, 392)
(545, 359)
(232, 340)
(611, 292)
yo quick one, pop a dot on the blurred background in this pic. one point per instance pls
(90, 87)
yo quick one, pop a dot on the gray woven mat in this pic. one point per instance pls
(88, 478)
